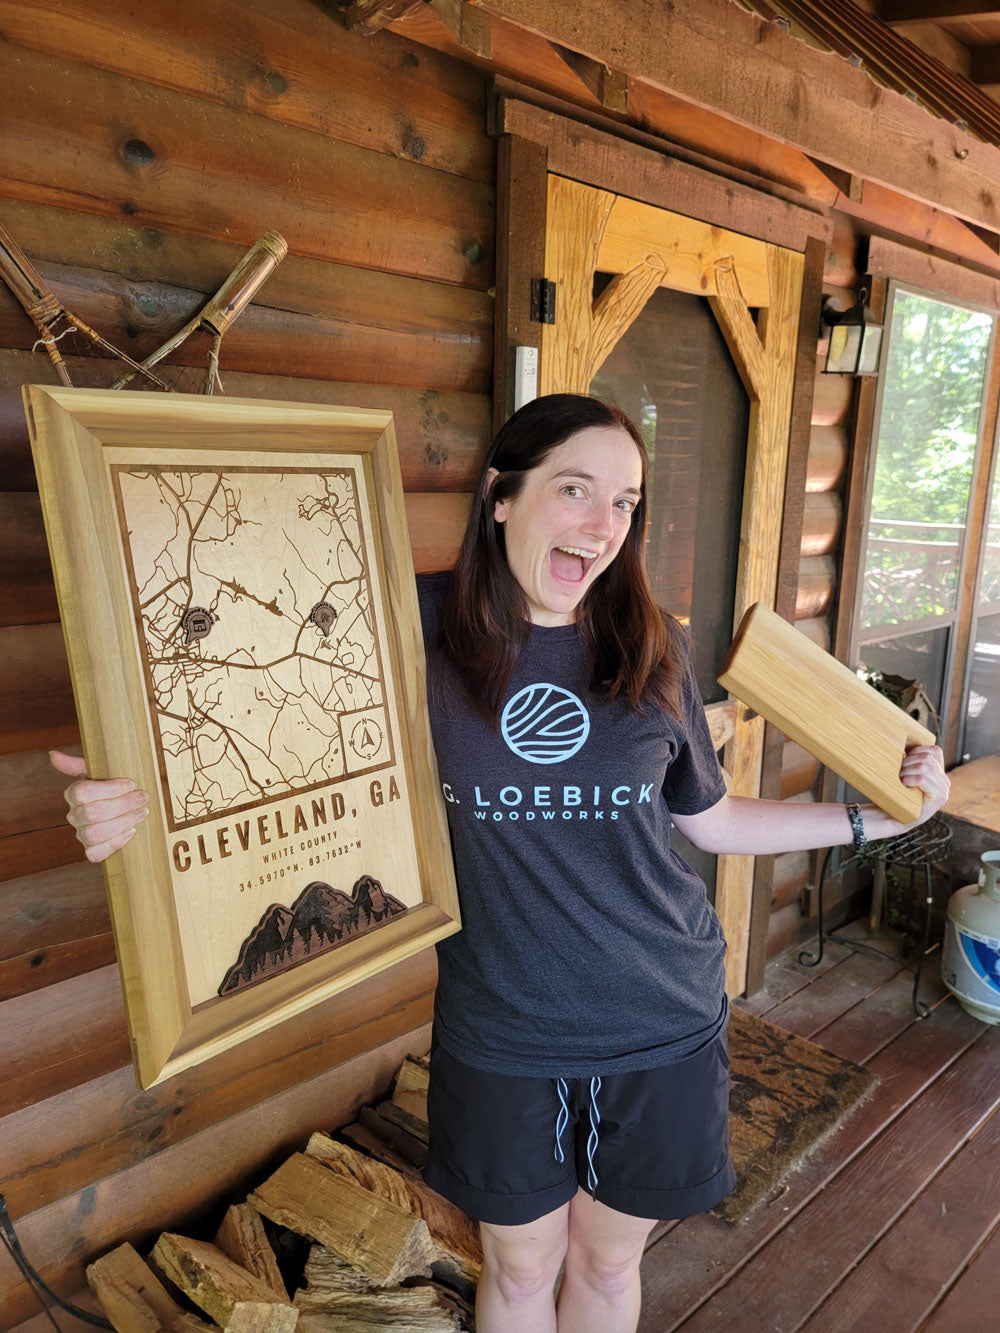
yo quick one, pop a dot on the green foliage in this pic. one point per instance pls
(926, 448)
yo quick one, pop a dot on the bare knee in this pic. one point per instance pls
(523, 1269)
(610, 1272)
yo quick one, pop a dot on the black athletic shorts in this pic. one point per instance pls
(654, 1144)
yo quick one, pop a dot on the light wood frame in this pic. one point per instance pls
(77, 436)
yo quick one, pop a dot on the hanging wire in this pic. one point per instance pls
(35, 1280)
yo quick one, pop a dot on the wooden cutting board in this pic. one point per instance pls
(822, 704)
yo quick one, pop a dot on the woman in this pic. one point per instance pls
(579, 1074)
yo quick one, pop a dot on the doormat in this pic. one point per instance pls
(787, 1094)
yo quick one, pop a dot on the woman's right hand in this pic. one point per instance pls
(104, 813)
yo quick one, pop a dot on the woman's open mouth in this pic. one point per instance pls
(570, 564)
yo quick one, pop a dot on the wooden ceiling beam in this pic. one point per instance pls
(934, 11)
(719, 56)
(471, 27)
(609, 86)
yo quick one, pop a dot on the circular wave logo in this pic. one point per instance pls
(544, 724)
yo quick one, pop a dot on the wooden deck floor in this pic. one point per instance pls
(891, 1225)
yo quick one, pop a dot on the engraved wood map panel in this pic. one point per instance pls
(254, 600)
(257, 610)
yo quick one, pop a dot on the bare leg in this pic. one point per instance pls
(520, 1267)
(600, 1289)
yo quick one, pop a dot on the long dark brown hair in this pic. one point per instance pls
(634, 646)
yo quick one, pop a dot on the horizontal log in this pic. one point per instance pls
(799, 770)
(817, 629)
(27, 595)
(36, 701)
(107, 145)
(42, 849)
(415, 348)
(831, 398)
(817, 579)
(169, 1189)
(437, 524)
(78, 1123)
(822, 515)
(54, 907)
(31, 794)
(791, 875)
(827, 460)
(304, 70)
(53, 963)
(441, 437)
(60, 1037)
(412, 308)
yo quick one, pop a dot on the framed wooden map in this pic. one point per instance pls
(237, 596)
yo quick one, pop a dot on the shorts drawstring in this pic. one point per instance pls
(595, 1120)
(562, 1118)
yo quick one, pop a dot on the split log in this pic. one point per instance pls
(405, 1143)
(234, 1298)
(134, 1299)
(410, 1091)
(379, 1238)
(373, 1145)
(399, 1115)
(459, 1252)
(243, 1239)
(338, 1300)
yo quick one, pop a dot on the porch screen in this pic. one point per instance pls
(673, 374)
(927, 435)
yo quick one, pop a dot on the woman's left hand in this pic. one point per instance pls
(923, 767)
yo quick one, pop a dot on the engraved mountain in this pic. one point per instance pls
(320, 918)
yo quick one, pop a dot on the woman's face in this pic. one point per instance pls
(568, 521)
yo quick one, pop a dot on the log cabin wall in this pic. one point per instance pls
(793, 907)
(143, 152)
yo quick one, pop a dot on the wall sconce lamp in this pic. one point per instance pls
(855, 337)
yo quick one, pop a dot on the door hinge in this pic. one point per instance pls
(543, 301)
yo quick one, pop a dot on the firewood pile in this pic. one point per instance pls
(384, 1250)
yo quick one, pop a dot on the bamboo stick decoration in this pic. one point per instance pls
(226, 305)
(46, 311)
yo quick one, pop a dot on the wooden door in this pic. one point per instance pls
(754, 291)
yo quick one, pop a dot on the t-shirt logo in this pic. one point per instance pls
(544, 724)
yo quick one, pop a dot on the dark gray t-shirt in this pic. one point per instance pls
(588, 945)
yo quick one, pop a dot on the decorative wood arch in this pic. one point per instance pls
(645, 247)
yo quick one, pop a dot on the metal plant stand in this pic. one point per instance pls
(916, 849)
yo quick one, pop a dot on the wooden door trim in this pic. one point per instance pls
(522, 174)
(789, 560)
(717, 264)
(610, 162)
(903, 263)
